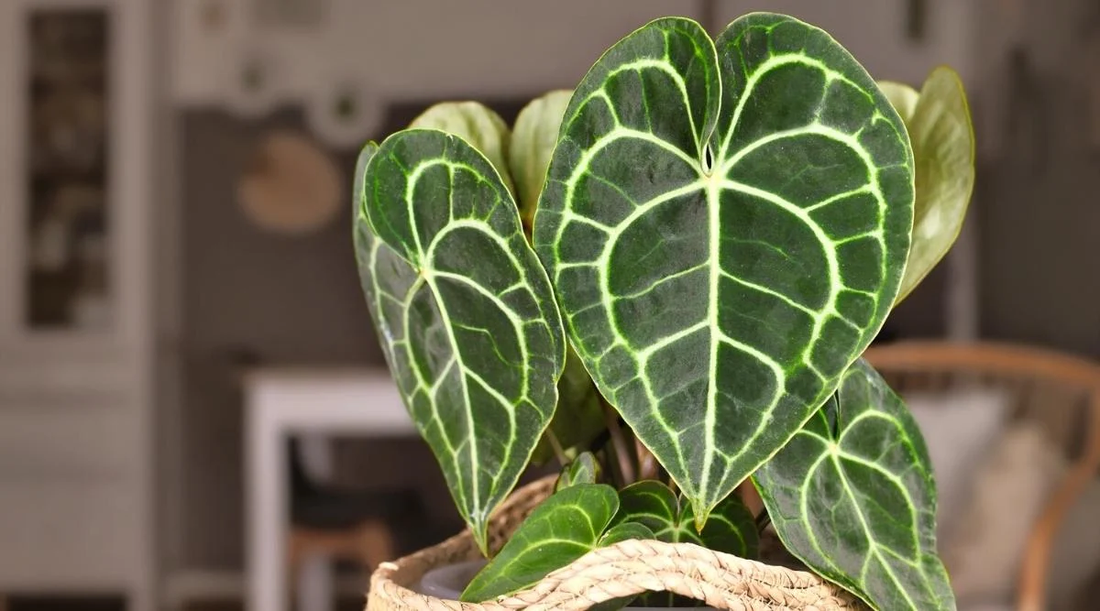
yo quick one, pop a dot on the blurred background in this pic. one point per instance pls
(178, 294)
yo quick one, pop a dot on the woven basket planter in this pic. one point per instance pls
(722, 581)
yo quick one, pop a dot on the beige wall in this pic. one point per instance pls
(1040, 222)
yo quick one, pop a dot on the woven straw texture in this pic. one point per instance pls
(722, 581)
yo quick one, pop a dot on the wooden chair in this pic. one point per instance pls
(1060, 391)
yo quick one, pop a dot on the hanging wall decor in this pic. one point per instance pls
(341, 112)
(253, 83)
(291, 186)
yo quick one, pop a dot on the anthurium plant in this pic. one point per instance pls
(665, 279)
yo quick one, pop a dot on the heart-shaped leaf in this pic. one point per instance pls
(533, 141)
(942, 135)
(625, 531)
(521, 157)
(464, 311)
(564, 527)
(726, 229)
(852, 496)
(731, 528)
(583, 470)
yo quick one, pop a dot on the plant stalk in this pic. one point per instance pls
(559, 451)
(618, 444)
(647, 462)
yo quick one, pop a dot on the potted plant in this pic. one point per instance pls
(665, 279)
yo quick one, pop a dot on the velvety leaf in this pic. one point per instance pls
(942, 135)
(625, 531)
(730, 529)
(479, 126)
(579, 418)
(726, 229)
(564, 527)
(653, 504)
(465, 314)
(583, 470)
(521, 157)
(533, 141)
(852, 496)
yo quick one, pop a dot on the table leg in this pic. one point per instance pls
(315, 585)
(268, 513)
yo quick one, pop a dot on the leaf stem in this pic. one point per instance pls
(618, 443)
(555, 444)
(647, 463)
(611, 466)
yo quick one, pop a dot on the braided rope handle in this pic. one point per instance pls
(722, 581)
(626, 569)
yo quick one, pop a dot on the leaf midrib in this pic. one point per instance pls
(476, 509)
(835, 457)
(709, 419)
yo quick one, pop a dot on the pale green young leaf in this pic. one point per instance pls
(584, 469)
(942, 136)
(533, 139)
(903, 97)
(852, 496)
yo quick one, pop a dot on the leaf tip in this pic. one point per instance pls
(481, 537)
(701, 512)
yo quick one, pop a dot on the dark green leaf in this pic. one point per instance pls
(564, 527)
(857, 503)
(533, 141)
(624, 531)
(942, 135)
(726, 229)
(520, 158)
(583, 470)
(464, 311)
(653, 504)
(730, 529)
